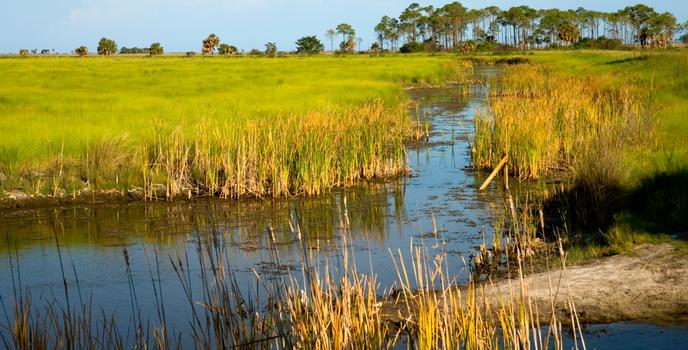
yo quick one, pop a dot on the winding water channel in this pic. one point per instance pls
(439, 202)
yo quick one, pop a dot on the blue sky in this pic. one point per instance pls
(180, 25)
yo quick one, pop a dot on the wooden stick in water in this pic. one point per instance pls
(506, 177)
(494, 173)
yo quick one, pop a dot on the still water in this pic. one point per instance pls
(438, 207)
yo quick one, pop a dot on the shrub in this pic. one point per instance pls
(375, 48)
(309, 45)
(156, 49)
(504, 49)
(684, 38)
(412, 47)
(227, 50)
(134, 50)
(81, 51)
(602, 42)
(256, 52)
(486, 46)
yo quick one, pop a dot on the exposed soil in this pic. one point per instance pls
(16, 199)
(20, 200)
(648, 284)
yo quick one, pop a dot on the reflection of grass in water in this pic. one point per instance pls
(327, 306)
(244, 221)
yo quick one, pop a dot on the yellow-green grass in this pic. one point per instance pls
(574, 81)
(662, 79)
(236, 126)
(613, 123)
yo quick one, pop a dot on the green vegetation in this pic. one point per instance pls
(452, 26)
(348, 34)
(209, 44)
(106, 47)
(270, 49)
(613, 124)
(226, 49)
(156, 49)
(622, 238)
(81, 51)
(309, 45)
(232, 127)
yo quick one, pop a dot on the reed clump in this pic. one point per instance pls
(548, 122)
(297, 155)
(280, 156)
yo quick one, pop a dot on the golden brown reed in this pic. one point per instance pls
(547, 121)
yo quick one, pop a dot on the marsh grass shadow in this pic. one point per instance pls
(626, 60)
(657, 206)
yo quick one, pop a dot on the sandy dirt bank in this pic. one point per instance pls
(648, 284)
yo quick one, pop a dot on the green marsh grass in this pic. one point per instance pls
(661, 79)
(609, 124)
(548, 122)
(227, 126)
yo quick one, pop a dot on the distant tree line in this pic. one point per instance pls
(134, 50)
(26, 52)
(452, 26)
(107, 47)
(455, 27)
(154, 50)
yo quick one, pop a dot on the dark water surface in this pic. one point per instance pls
(438, 207)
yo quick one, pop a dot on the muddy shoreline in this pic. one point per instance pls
(17, 200)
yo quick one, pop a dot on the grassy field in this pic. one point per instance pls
(660, 80)
(235, 126)
(613, 124)
(586, 88)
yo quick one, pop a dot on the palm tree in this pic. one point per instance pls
(209, 44)
(568, 32)
(106, 47)
(271, 49)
